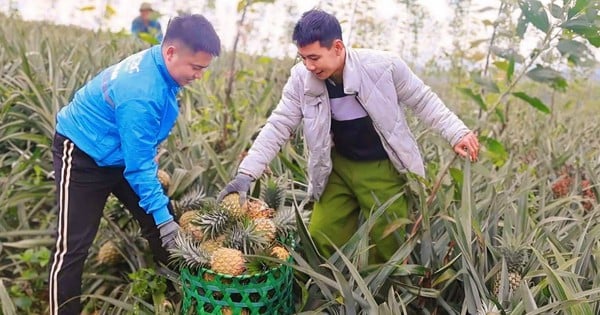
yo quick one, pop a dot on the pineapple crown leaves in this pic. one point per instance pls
(246, 238)
(214, 220)
(285, 221)
(193, 199)
(273, 194)
(187, 253)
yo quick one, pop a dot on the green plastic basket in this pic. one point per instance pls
(208, 292)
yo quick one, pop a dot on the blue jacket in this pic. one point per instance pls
(121, 116)
(153, 28)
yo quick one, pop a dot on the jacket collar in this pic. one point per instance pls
(156, 52)
(315, 87)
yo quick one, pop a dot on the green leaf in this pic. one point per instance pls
(578, 7)
(511, 70)
(508, 54)
(521, 26)
(534, 12)
(474, 96)
(548, 75)
(576, 52)
(556, 11)
(496, 151)
(533, 101)
(487, 83)
(585, 28)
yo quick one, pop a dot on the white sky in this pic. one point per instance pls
(67, 12)
(272, 35)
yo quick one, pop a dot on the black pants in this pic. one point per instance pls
(82, 188)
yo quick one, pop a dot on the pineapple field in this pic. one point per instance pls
(517, 232)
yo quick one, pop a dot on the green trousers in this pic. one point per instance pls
(348, 195)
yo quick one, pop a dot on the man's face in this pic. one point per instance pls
(145, 14)
(323, 62)
(184, 65)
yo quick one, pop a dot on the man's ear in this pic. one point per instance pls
(338, 45)
(170, 52)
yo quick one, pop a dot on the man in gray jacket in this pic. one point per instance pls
(352, 105)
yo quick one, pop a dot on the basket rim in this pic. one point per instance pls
(202, 270)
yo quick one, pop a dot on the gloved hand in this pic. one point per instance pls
(240, 184)
(168, 231)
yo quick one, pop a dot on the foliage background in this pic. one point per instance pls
(535, 112)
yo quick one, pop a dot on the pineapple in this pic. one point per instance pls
(232, 204)
(211, 245)
(256, 209)
(186, 218)
(280, 252)
(562, 186)
(588, 194)
(109, 254)
(164, 178)
(516, 258)
(228, 261)
(266, 227)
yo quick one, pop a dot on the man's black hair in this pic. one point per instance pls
(317, 25)
(194, 31)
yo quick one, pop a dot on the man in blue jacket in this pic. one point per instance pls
(146, 23)
(105, 142)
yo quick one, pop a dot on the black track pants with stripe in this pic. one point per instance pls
(82, 188)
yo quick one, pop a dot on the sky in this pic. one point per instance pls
(272, 29)
(224, 20)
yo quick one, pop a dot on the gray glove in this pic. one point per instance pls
(168, 230)
(240, 184)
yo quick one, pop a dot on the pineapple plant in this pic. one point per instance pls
(516, 258)
(109, 254)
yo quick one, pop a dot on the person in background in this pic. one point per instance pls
(146, 23)
(106, 141)
(351, 103)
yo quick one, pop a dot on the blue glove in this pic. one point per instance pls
(240, 184)
(168, 231)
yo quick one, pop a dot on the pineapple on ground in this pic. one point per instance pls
(228, 261)
(109, 254)
(516, 258)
